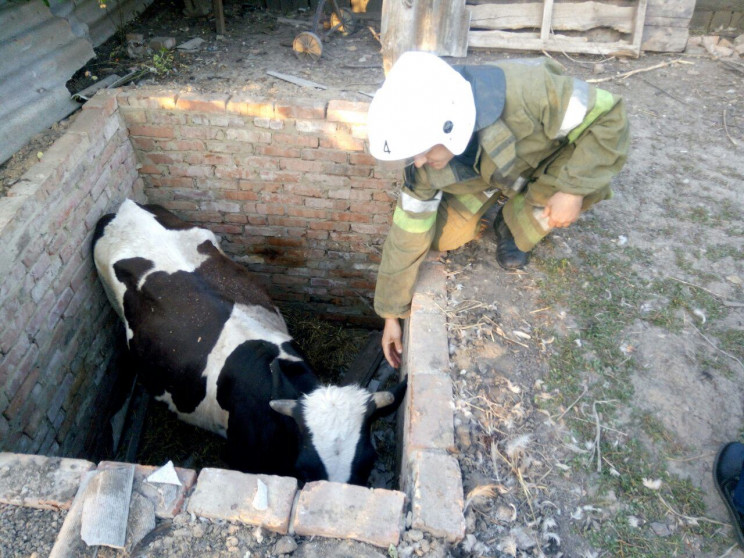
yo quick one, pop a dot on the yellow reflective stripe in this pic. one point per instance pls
(472, 203)
(602, 104)
(411, 224)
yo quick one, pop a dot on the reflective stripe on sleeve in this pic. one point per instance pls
(412, 205)
(577, 107)
(412, 224)
(602, 104)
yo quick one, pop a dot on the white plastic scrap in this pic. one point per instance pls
(261, 499)
(165, 475)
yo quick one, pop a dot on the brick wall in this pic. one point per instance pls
(57, 327)
(288, 186)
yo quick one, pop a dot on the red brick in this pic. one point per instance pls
(234, 173)
(143, 144)
(309, 110)
(362, 159)
(276, 151)
(241, 195)
(250, 107)
(191, 170)
(259, 186)
(104, 100)
(321, 203)
(331, 155)
(250, 136)
(160, 132)
(274, 176)
(165, 118)
(133, 115)
(347, 111)
(162, 158)
(293, 139)
(301, 165)
(270, 208)
(209, 159)
(328, 509)
(200, 132)
(316, 127)
(150, 169)
(171, 181)
(163, 99)
(329, 226)
(307, 213)
(203, 102)
(181, 145)
(347, 143)
(20, 395)
(330, 181)
(296, 222)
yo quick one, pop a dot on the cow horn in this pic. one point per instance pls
(383, 399)
(284, 406)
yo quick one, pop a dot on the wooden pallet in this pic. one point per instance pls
(498, 25)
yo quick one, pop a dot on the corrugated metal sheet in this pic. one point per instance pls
(40, 50)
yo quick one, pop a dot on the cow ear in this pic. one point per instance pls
(386, 402)
(382, 399)
(284, 406)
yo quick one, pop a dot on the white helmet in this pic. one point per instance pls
(422, 103)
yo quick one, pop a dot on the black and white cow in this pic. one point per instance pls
(208, 341)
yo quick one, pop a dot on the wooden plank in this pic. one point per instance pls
(365, 364)
(671, 8)
(640, 18)
(547, 20)
(557, 43)
(664, 39)
(219, 16)
(439, 26)
(719, 5)
(573, 16)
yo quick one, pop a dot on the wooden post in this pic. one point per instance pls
(219, 17)
(438, 26)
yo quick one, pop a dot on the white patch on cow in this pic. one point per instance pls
(136, 233)
(334, 416)
(245, 323)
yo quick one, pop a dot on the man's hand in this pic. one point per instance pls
(392, 346)
(562, 209)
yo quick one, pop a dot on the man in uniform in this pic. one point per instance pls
(549, 143)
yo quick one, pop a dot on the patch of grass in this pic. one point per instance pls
(604, 295)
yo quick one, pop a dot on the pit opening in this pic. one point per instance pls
(293, 195)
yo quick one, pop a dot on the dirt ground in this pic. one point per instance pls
(594, 388)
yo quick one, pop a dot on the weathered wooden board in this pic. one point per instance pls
(557, 43)
(575, 16)
(665, 39)
(439, 26)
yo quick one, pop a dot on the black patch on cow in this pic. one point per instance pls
(176, 321)
(231, 279)
(131, 270)
(244, 388)
(166, 219)
(100, 226)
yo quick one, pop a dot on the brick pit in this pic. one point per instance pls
(295, 197)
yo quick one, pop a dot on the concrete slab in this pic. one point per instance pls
(345, 511)
(229, 495)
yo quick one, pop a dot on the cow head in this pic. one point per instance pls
(334, 424)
